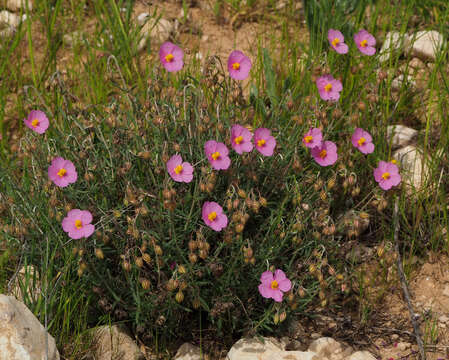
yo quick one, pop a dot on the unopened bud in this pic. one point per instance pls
(99, 253)
(179, 296)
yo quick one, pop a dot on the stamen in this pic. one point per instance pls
(261, 142)
(386, 175)
(274, 285)
(78, 224)
(35, 123)
(361, 141)
(323, 153)
(308, 138)
(236, 66)
(328, 87)
(364, 43)
(178, 169)
(215, 155)
(212, 216)
(238, 140)
(62, 172)
(169, 57)
(336, 41)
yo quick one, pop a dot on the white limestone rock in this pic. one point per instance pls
(188, 352)
(394, 42)
(17, 5)
(415, 172)
(158, 31)
(426, 44)
(362, 355)
(27, 284)
(403, 81)
(252, 348)
(73, 38)
(400, 135)
(111, 342)
(9, 19)
(22, 336)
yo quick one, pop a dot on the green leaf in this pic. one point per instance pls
(269, 77)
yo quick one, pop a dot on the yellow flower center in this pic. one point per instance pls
(169, 57)
(236, 66)
(178, 169)
(386, 175)
(328, 87)
(35, 123)
(361, 141)
(364, 43)
(78, 224)
(274, 285)
(238, 140)
(336, 41)
(261, 142)
(62, 172)
(323, 154)
(215, 155)
(308, 138)
(212, 216)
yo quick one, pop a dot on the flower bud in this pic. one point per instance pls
(179, 296)
(181, 269)
(99, 253)
(158, 250)
(145, 284)
(139, 262)
(146, 257)
(193, 258)
(126, 266)
(196, 303)
(282, 316)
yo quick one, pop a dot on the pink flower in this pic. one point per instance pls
(217, 154)
(78, 224)
(387, 175)
(241, 139)
(312, 138)
(274, 286)
(265, 143)
(213, 216)
(62, 172)
(171, 56)
(326, 154)
(365, 42)
(363, 141)
(37, 121)
(329, 88)
(337, 41)
(178, 170)
(239, 65)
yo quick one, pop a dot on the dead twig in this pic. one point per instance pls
(413, 316)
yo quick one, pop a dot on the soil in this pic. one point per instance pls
(389, 331)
